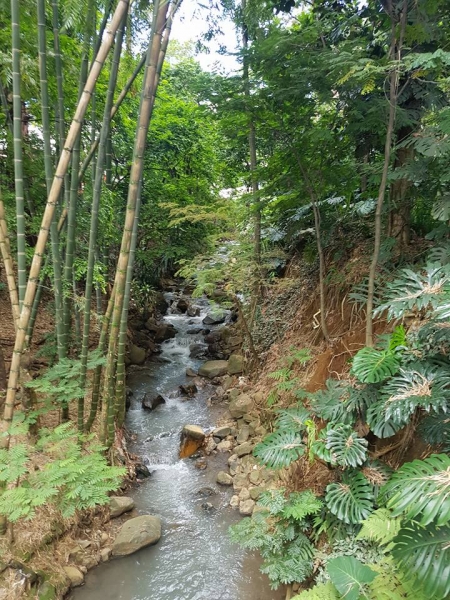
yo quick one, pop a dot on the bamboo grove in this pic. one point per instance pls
(65, 175)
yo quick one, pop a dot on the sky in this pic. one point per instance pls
(190, 24)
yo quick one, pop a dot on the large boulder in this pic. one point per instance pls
(235, 364)
(192, 438)
(165, 331)
(136, 534)
(213, 368)
(150, 402)
(214, 318)
(119, 505)
(240, 406)
(136, 355)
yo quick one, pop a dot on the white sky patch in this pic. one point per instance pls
(190, 25)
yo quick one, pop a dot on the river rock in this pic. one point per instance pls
(194, 330)
(239, 481)
(166, 331)
(244, 494)
(105, 554)
(182, 305)
(255, 476)
(119, 505)
(197, 350)
(234, 501)
(205, 492)
(255, 492)
(136, 534)
(74, 575)
(240, 406)
(222, 432)
(193, 311)
(192, 438)
(224, 478)
(246, 507)
(213, 368)
(136, 355)
(150, 402)
(214, 318)
(142, 470)
(191, 373)
(244, 449)
(235, 364)
(188, 389)
(243, 434)
(161, 303)
(225, 446)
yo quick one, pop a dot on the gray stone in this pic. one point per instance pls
(183, 305)
(197, 350)
(119, 505)
(244, 494)
(214, 318)
(150, 402)
(260, 431)
(243, 435)
(234, 501)
(213, 368)
(222, 432)
(255, 492)
(105, 554)
(136, 534)
(225, 446)
(188, 389)
(235, 364)
(136, 355)
(193, 311)
(244, 449)
(191, 373)
(75, 576)
(239, 481)
(240, 406)
(224, 478)
(246, 507)
(255, 476)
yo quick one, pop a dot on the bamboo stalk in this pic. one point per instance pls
(9, 267)
(52, 200)
(17, 144)
(105, 131)
(145, 112)
(48, 164)
(120, 400)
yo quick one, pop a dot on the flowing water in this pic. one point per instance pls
(194, 560)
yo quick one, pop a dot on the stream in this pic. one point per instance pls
(195, 559)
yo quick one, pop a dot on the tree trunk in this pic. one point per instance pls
(400, 197)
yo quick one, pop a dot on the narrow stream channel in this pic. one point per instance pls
(194, 560)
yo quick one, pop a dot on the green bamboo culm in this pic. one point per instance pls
(120, 389)
(74, 185)
(97, 189)
(48, 164)
(145, 112)
(96, 383)
(18, 161)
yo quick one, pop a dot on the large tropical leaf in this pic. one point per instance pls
(416, 291)
(293, 418)
(352, 499)
(435, 430)
(420, 490)
(425, 553)
(347, 448)
(331, 404)
(350, 576)
(280, 449)
(381, 426)
(372, 366)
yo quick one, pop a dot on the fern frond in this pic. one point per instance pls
(324, 591)
(381, 526)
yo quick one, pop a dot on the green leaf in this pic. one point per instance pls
(380, 527)
(301, 505)
(280, 449)
(293, 418)
(348, 450)
(425, 553)
(372, 366)
(421, 490)
(333, 403)
(352, 499)
(324, 591)
(350, 576)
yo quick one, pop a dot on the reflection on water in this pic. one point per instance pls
(194, 559)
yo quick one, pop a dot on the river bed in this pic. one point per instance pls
(195, 559)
